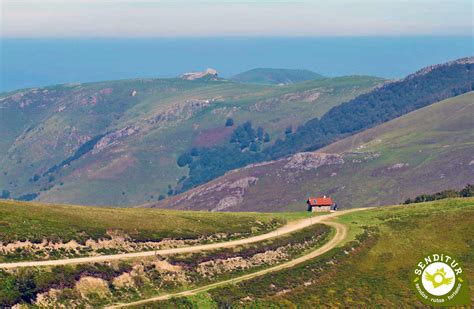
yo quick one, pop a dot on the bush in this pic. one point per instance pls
(229, 122)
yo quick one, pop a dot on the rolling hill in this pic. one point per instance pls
(390, 100)
(425, 151)
(372, 268)
(117, 142)
(348, 257)
(266, 76)
(138, 141)
(35, 222)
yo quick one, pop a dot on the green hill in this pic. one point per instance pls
(375, 268)
(373, 262)
(117, 142)
(425, 151)
(138, 141)
(266, 76)
(35, 222)
(390, 100)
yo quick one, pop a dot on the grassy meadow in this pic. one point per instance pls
(373, 266)
(35, 222)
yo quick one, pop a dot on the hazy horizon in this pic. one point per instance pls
(210, 18)
(42, 62)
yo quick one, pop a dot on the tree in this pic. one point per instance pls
(5, 194)
(229, 122)
(170, 190)
(468, 191)
(288, 130)
(266, 138)
(194, 152)
(184, 159)
(255, 147)
(260, 133)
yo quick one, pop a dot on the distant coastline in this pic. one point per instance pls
(40, 62)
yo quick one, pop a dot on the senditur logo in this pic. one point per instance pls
(438, 280)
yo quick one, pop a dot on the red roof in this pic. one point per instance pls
(320, 201)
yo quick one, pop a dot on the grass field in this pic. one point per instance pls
(372, 267)
(35, 222)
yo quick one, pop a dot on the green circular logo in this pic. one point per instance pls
(438, 280)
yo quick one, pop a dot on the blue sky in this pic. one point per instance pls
(181, 18)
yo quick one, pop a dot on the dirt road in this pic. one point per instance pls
(341, 233)
(289, 228)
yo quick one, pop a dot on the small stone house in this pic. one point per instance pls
(321, 204)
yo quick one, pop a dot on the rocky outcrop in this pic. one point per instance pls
(181, 112)
(235, 191)
(197, 75)
(312, 160)
(112, 138)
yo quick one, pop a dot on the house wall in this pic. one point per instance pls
(322, 208)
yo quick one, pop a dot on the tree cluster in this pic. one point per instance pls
(468, 191)
(205, 164)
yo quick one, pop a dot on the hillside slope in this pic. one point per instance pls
(390, 100)
(37, 223)
(117, 142)
(373, 269)
(267, 76)
(425, 151)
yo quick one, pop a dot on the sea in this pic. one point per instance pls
(40, 62)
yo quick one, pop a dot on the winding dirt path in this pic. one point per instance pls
(288, 228)
(341, 234)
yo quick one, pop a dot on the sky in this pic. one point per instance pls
(208, 18)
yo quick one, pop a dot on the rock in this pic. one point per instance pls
(112, 138)
(236, 190)
(312, 160)
(197, 75)
(90, 285)
(398, 166)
